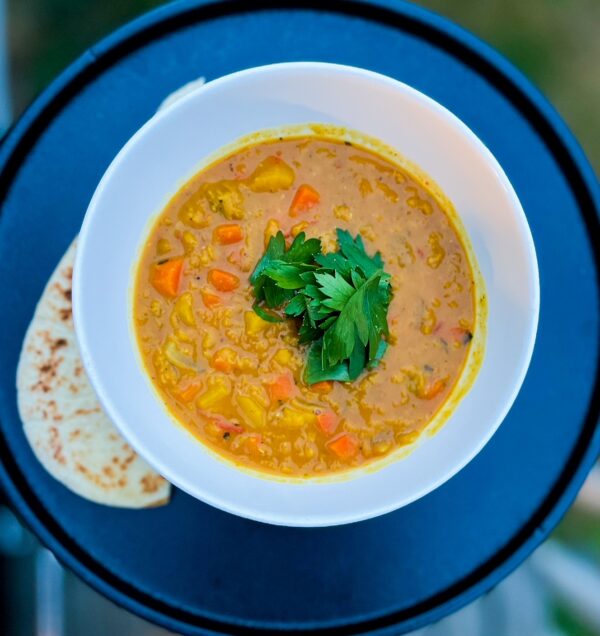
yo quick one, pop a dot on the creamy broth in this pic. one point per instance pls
(219, 367)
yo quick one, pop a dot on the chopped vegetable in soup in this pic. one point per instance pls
(304, 306)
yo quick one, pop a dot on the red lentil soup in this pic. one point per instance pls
(234, 380)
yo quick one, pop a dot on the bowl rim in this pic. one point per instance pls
(203, 493)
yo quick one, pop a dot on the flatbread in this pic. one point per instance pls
(64, 424)
(182, 91)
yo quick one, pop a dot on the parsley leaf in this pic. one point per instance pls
(265, 314)
(336, 290)
(297, 306)
(353, 325)
(340, 299)
(279, 272)
(354, 251)
(315, 372)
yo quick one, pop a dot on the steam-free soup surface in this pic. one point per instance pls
(234, 380)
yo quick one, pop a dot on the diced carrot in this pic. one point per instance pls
(434, 389)
(167, 276)
(322, 387)
(305, 198)
(224, 360)
(327, 422)
(228, 234)
(221, 364)
(210, 300)
(223, 281)
(228, 427)
(282, 388)
(189, 392)
(345, 446)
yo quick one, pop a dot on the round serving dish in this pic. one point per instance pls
(140, 181)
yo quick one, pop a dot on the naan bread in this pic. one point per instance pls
(62, 418)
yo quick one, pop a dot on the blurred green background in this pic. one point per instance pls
(556, 43)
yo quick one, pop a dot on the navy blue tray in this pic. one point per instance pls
(197, 570)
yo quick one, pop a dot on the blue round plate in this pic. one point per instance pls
(197, 570)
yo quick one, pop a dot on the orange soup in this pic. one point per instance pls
(233, 370)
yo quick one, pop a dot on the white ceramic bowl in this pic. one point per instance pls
(170, 148)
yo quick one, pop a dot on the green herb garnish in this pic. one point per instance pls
(341, 299)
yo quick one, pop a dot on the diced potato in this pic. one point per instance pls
(254, 412)
(299, 227)
(271, 230)
(291, 419)
(224, 197)
(208, 341)
(163, 247)
(193, 213)
(189, 241)
(296, 418)
(218, 389)
(182, 336)
(254, 323)
(178, 358)
(271, 175)
(284, 357)
(184, 307)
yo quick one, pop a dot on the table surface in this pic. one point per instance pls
(195, 569)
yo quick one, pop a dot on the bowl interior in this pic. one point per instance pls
(171, 147)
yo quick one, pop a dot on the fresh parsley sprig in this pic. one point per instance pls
(340, 298)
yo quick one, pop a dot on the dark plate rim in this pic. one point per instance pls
(560, 142)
